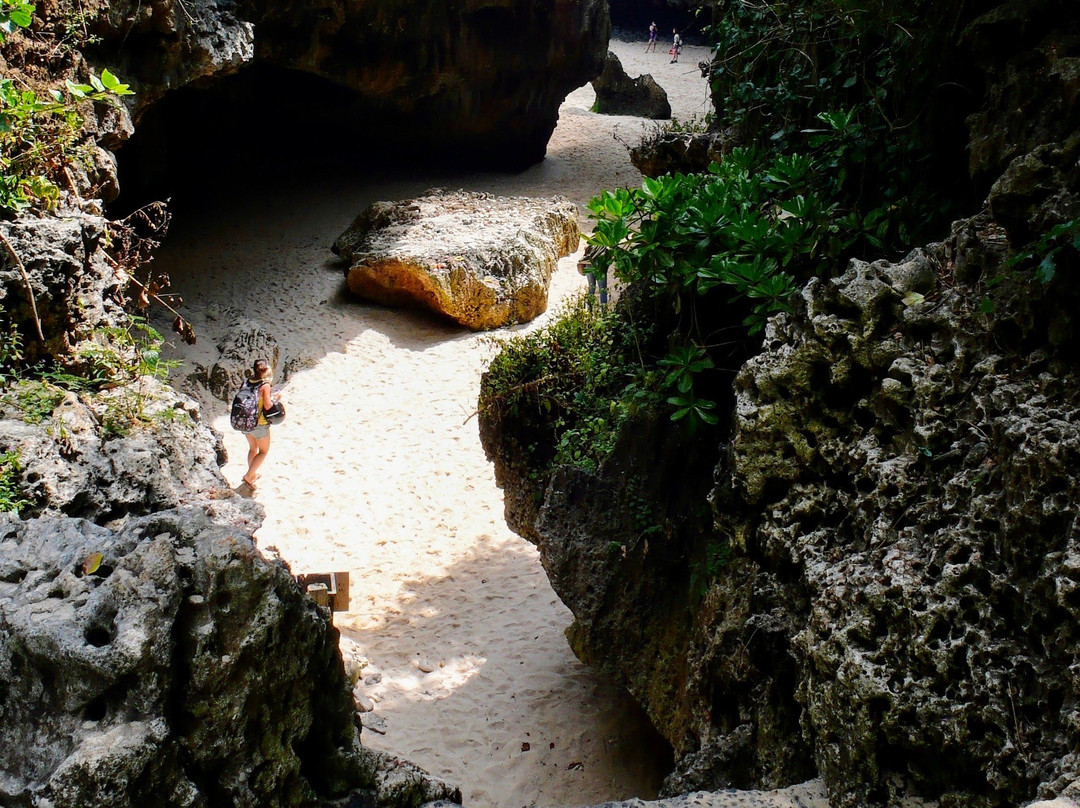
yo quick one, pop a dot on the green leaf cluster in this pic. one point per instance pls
(870, 71)
(11, 495)
(113, 362)
(577, 381)
(14, 14)
(755, 227)
(1049, 249)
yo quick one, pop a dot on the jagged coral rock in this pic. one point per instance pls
(170, 663)
(896, 513)
(93, 457)
(68, 278)
(481, 260)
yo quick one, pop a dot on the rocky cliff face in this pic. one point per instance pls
(169, 662)
(886, 597)
(149, 653)
(883, 594)
(474, 80)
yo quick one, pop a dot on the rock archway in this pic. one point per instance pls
(273, 82)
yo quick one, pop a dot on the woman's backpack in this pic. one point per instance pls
(244, 415)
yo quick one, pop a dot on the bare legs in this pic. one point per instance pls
(257, 450)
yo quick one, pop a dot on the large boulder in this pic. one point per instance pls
(671, 152)
(245, 342)
(618, 94)
(481, 260)
(170, 663)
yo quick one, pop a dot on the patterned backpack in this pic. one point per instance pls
(244, 415)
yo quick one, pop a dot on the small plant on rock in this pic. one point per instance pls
(11, 496)
(40, 136)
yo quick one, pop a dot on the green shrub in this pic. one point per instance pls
(883, 65)
(41, 136)
(579, 377)
(14, 14)
(755, 225)
(11, 496)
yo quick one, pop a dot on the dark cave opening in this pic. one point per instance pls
(258, 125)
(630, 21)
(267, 126)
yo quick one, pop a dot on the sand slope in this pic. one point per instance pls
(379, 471)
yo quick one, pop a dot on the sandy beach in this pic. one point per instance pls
(379, 472)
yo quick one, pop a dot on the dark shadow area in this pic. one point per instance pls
(266, 126)
(630, 21)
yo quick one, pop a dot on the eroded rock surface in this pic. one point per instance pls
(886, 597)
(474, 78)
(70, 280)
(128, 450)
(618, 94)
(169, 662)
(481, 260)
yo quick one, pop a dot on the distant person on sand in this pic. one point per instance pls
(653, 35)
(676, 46)
(258, 438)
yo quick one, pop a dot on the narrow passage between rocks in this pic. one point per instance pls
(379, 471)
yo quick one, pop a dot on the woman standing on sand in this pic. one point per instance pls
(676, 46)
(653, 32)
(259, 438)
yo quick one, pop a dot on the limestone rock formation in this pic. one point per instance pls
(169, 663)
(811, 793)
(245, 342)
(470, 79)
(618, 94)
(481, 260)
(128, 450)
(679, 151)
(885, 597)
(162, 47)
(70, 280)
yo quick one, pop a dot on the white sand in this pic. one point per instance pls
(379, 471)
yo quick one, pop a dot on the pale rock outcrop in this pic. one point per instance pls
(481, 260)
(163, 46)
(71, 281)
(618, 94)
(245, 342)
(804, 795)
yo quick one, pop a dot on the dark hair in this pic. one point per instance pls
(259, 369)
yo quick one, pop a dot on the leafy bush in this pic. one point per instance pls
(14, 14)
(1050, 249)
(112, 365)
(40, 137)
(578, 377)
(11, 496)
(756, 226)
(781, 64)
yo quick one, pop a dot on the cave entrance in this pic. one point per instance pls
(630, 21)
(261, 126)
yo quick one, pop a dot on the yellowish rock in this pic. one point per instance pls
(481, 260)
